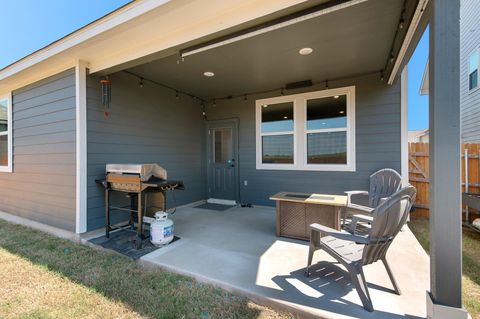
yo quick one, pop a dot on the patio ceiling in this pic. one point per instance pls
(352, 41)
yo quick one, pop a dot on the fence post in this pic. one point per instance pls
(466, 180)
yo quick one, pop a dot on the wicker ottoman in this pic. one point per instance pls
(296, 211)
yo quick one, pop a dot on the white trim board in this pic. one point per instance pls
(9, 132)
(81, 147)
(404, 125)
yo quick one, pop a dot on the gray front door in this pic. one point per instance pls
(222, 159)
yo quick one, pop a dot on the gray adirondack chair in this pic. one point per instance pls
(383, 184)
(354, 251)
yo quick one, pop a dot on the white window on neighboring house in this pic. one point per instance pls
(309, 131)
(5, 133)
(473, 76)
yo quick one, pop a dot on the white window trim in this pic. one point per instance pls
(8, 168)
(300, 131)
(477, 50)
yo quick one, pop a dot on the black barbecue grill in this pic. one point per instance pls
(146, 186)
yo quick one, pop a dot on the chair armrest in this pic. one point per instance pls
(327, 231)
(352, 228)
(351, 193)
(352, 209)
(362, 218)
(356, 193)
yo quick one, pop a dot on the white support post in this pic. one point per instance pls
(445, 297)
(404, 125)
(81, 146)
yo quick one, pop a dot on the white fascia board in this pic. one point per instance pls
(134, 10)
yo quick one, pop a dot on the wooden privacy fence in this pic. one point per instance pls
(418, 160)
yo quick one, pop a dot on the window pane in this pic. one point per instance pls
(222, 146)
(277, 149)
(277, 117)
(3, 115)
(327, 112)
(4, 150)
(473, 80)
(327, 148)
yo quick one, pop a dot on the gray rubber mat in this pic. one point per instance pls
(123, 241)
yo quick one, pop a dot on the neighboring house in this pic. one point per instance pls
(469, 71)
(418, 136)
(239, 100)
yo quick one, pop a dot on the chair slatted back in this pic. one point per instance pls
(383, 183)
(388, 219)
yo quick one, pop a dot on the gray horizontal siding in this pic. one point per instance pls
(377, 144)
(42, 185)
(469, 41)
(146, 125)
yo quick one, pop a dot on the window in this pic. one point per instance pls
(222, 145)
(310, 131)
(277, 133)
(5, 134)
(473, 75)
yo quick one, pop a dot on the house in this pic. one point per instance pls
(237, 99)
(469, 72)
(418, 136)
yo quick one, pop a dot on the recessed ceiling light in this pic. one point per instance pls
(336, 97)
(341, 112)
(285, 117)
(265, 105)
(305, 51)
(208, 74)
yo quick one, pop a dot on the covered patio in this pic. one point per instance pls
(241, 100)
(237, 250)
(225, 85)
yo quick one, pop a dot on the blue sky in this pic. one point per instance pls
(28, 25)
(417, 105)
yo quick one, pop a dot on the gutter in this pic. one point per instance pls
(417, 16)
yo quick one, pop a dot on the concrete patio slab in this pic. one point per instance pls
(237, 249)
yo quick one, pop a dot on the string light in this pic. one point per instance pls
(204, 113)
(245, 95)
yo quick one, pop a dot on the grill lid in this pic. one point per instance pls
(146, 171)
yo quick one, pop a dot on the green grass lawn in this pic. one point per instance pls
(43, 276)
(471, 263)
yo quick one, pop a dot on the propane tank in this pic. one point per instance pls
(161, 229)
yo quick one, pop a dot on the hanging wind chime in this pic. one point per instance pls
(106, 95)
